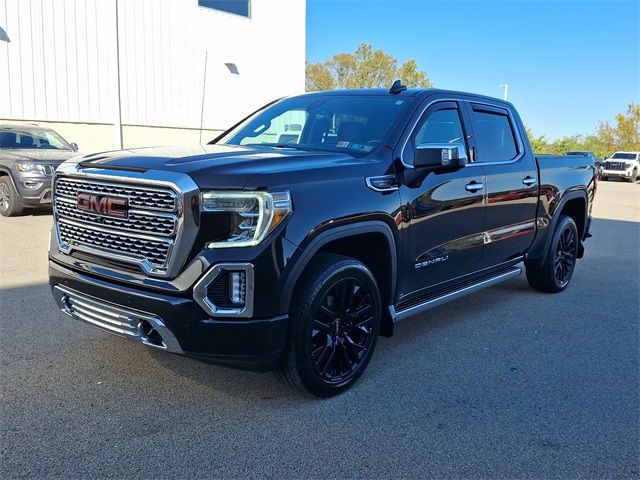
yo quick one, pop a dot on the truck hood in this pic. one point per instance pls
(46, 156)
(217, 166)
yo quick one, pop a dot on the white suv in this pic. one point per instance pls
(622, 165)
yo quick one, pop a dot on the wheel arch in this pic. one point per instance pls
(574, 204)
(359, 241)
(4, 171)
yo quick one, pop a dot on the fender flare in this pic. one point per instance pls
(537, 251)
(336, 233)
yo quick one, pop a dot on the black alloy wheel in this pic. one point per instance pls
(335, 320)
(342, 330)
(565, 258)
(556, 270)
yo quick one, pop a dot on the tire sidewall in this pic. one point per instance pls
(303, 317)
(13, 208)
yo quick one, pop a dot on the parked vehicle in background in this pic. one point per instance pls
(29, 155)
(294, 248)
(585, 153)
(625, 165)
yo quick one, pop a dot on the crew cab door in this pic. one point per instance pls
(511, 182)
(443, 213)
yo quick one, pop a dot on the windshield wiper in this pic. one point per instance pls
(288, 145)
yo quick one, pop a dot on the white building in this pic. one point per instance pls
(59, 66)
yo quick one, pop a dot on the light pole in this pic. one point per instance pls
(118, 120)
(505, 87)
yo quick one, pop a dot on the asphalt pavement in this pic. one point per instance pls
(506, 383)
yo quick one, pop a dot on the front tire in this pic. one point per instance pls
(335, 323)
(9, 201)
(560, 260)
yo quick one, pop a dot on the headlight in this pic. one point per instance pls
(29, 167)
(253, 215)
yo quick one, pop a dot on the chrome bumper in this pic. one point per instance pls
(144, 328)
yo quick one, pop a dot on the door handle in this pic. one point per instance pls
(473, 186)
(528, 181)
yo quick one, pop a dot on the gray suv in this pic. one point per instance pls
(29, 155)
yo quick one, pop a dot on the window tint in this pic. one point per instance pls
(494, 137)
(442, 126)
(238, 7)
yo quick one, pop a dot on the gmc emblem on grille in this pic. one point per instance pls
(103, 204)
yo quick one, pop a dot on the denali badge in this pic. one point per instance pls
(111, 206)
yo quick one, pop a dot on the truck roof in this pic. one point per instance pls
(409, 92)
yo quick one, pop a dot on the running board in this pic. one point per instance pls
(447, 297)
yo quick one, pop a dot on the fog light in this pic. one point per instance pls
(237, 287)
(31, 185)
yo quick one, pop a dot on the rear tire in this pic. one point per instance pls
(9, 202)
(557, 269)
(335, 323)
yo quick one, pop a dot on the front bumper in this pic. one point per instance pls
(34, 189)
(617, 173)
(169, 322)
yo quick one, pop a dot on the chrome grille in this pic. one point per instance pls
(137, 221)
(49, 170)
(139, 197)
(144, 238)
(154, 251)
(615, 166)
(100, 314)
(141, 327)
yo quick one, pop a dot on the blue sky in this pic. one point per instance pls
(568, 64)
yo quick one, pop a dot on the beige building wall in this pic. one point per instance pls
(99, 137)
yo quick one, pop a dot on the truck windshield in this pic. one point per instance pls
(624, 156)
(350, 124)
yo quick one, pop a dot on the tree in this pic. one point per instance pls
(625, 135)
(538, 144)
(364, 68)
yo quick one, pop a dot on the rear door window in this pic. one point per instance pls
(494, 135)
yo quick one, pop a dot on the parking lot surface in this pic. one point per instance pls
(505, 383)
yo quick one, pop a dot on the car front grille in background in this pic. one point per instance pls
(614, 166)
(49, 170)
(145, 237)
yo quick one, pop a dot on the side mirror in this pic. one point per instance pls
(440, 156)
(74, 147)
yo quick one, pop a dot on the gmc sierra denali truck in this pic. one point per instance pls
(268, 249)
(625, 165)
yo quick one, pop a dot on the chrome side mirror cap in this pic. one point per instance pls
(440, 156)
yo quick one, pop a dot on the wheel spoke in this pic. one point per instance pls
(321, 326)
(328, 358)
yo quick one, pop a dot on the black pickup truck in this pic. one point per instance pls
(296, 238)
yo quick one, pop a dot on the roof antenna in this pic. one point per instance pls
(397, 87)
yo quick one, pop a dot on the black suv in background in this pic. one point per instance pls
(299, 236)
(29, 155)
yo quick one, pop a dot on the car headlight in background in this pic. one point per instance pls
(29, 167)
(253, 215)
